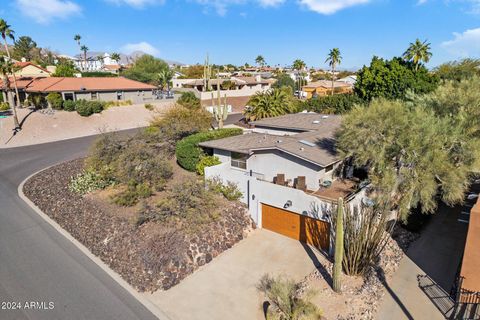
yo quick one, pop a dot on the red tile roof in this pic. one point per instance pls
(59, 84)
(28, 63)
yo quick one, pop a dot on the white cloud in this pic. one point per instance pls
(136, 3)
(43, 11)
(141, 46)
(330, 6)
(465, 44)
(270, 3)
(220, 6)
(420, 2)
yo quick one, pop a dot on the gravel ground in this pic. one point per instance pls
(41, 127)
(150, 257)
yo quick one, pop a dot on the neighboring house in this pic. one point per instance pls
(299, 75)
(29, 69)
(239, 91)
(324, 87)
(289, 172)
(103, 89)
(351, 80)
(93, 61)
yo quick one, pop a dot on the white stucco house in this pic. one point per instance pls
(289, 173)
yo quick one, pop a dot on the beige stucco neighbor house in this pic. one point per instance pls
(31, 70)
(289, 173)
(101, 88)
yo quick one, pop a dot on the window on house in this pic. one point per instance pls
(329, 168)
(238, 160)
(68, 96)
(119, 95)
(94, 95)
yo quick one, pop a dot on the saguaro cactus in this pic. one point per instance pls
(220, 112)
(207, 72)
(337, 266)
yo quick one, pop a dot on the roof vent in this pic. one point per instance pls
(316, 121)
(83, 88)
(308, 143)
(324, 117)
(279, 141)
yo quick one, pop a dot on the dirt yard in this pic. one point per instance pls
(39, 127)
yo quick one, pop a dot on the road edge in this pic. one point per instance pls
(154, 309)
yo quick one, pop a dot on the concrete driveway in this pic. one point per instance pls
(420, 288)
(225, 288)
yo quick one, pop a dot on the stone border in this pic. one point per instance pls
(154, 309)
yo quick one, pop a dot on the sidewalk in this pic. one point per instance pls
(40, 128)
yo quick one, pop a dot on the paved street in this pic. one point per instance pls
(39, 264)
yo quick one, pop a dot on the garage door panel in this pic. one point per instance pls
(299, 227)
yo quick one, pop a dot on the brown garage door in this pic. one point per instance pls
(296, 226)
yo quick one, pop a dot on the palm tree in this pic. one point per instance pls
(299, 66)
(333, 59)
(418, 52)
(115, 56)
(259, 60)
(272, 103)
(6, 32)
(77, 38)
(6, 68)
(101, 59)
(164, 77)
(84, 49)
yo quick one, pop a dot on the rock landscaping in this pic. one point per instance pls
(151, 255)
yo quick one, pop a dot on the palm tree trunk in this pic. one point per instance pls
(15, 117)
(333, 78)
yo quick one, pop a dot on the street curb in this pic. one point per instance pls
(114, 275)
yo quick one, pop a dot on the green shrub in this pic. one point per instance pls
(69, 105)
(55, 100)
(189, 101)
(98, 74)
(336, 104)
(88, 181)
(149, 106)
(4, 106)
(189, 153)
(126, 198)
(230, 190)
(206, 161)
(96, 106)
(83, 108)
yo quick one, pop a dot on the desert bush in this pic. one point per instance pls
(55, 100)
(149, 106)
(96, 106)
(206, 161)
(83, 108)
(69, 105)
(37, 100)
(132, 194)
(4, 106)
(104, 152)
(140, 164)
(118, 103)
(88, 181)
(179, 122)
(229, 190)
(187, 202)
(336, 104)
(189, 101)
(286, 301)
(189, 153)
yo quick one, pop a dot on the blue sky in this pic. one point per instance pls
(236, 31)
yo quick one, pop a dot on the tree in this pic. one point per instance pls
(458, 70)
(189, 101)
(337, 104)
(259, 60)
(418, 52)
(84, 49)
(6, 68)
(100, 58)
(23, 48)
(146, 69)
(77, 39)
(392, 79)
(164, 77)
(116, 57)
(285, 300)
(7, 32)
(284, 80)
(412, 155)
(65, 68)
(334, 58)
(298, 65)
(275, 102)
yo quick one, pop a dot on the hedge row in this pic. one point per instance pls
(189, 153)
